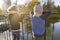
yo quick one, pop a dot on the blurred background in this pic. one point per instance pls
(52, 27)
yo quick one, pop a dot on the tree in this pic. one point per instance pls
(23, 9)
(32, 4)
(58, 9)
(0, 10)
(6, 4)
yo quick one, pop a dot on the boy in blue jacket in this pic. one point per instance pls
(38, 22)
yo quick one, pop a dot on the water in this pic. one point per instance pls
(54, 32)
(57, 31)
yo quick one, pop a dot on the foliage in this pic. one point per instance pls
(53, 18)
(32, 4)
(55, 10)
(0, 10)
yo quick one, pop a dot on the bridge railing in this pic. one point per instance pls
(26, 31)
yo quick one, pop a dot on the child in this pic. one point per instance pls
(38, 22)
(14, 22)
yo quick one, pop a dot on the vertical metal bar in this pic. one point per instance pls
(9, 29)
(53, 32)
(9, 35)
(4, 24)
(27, 30)
(32, 37)
(30, 20)
(45, 31)
(2, 27)
(31, 32)
(22, 28)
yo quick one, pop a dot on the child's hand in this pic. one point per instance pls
(9, 28)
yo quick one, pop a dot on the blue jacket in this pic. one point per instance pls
(38, 23)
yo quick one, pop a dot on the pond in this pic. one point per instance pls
(57, 31)
(54, 32)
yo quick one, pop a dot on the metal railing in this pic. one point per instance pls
(24, 33)
(5, 34)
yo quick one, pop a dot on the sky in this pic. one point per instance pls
(1, 3)
(57, 2)
(19, 1)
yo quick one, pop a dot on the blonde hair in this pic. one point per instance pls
(12, 7)
(38, 7)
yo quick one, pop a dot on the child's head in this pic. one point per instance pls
(12, 9)
(38, 10)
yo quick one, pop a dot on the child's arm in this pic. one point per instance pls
(31, 14)
(46, 14)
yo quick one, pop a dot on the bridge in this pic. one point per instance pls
(24, 33)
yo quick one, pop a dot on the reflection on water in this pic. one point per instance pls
(53, 33)
(57, 31)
